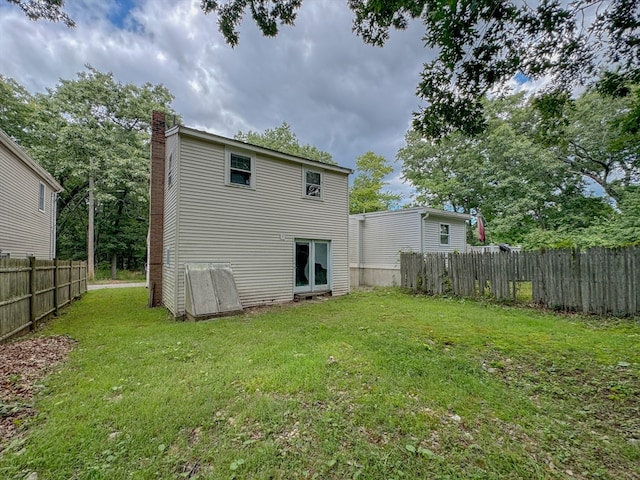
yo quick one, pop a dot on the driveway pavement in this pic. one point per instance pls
(116, 285)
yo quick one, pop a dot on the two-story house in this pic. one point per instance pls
(28, 195)
(279, 221)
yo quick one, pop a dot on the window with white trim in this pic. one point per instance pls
(444, 234)
(240, 169)
(312, 184)
(41, 198)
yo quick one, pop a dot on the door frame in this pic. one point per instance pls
(312, 286)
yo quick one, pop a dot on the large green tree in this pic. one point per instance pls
(282, 139)
(447, 173)
(93, 127)
(518, 182)
(18, 111)
(480, 45)
(593, 136)
(367, 193)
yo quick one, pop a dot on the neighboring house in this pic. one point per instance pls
(280, 221)
(28, 195)
(376, 240)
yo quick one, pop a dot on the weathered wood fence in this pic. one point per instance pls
(598, 280)
(31, 290)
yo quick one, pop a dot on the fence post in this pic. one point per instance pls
(32, 291)
(56, 281)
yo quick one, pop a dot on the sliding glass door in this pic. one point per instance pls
(312, 265)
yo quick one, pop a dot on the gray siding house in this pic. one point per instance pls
(376, 240)
(280, 221)
(28, 195)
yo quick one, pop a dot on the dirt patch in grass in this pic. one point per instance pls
(23, 364)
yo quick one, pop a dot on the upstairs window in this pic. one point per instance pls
(444, 234)
(240, 170)
(312, 184)
(41, 198)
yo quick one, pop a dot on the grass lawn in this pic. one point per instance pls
(103, 276)
(373, 385)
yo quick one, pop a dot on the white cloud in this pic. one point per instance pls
(397, 185)
(336, 92)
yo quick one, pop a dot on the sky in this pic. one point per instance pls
(337, 93)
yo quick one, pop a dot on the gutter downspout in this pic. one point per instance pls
(361, 251)
(53, 224)
(423, 217)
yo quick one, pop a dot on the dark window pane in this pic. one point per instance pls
(240, 178)
(302, 264)
(321, 263)
(240, 163)
(313, 178)
(41, 198)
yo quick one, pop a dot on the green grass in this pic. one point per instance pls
(373, 385)
(103, 275)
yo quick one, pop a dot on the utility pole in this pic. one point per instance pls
(90, 233)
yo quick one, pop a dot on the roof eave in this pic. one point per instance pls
(22, 155)
(212, 137)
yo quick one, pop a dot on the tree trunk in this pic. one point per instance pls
(114, 267)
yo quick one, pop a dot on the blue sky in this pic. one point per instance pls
(120, 13)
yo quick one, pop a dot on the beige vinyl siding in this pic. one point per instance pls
(354, 242)
(377, 238)
(24, 229)
(170, 225)
(255, 228)
(386, 235)
(431, 235)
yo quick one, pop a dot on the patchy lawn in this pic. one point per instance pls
(373, 385)
(23, 365)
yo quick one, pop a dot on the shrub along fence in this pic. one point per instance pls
(598, 280)
(31, 290)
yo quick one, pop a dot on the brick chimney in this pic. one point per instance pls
(156, 210)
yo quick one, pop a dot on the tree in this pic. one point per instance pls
(627, 228)
(282, 139)
(517, 182)
(594, 139)
(17, 110)
(104, 135)
(481, 45)
(366, 194)
(44, 9)
(446, 173)
(94, 127)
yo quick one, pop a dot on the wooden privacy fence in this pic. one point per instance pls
(598, 280)
(31, 290)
